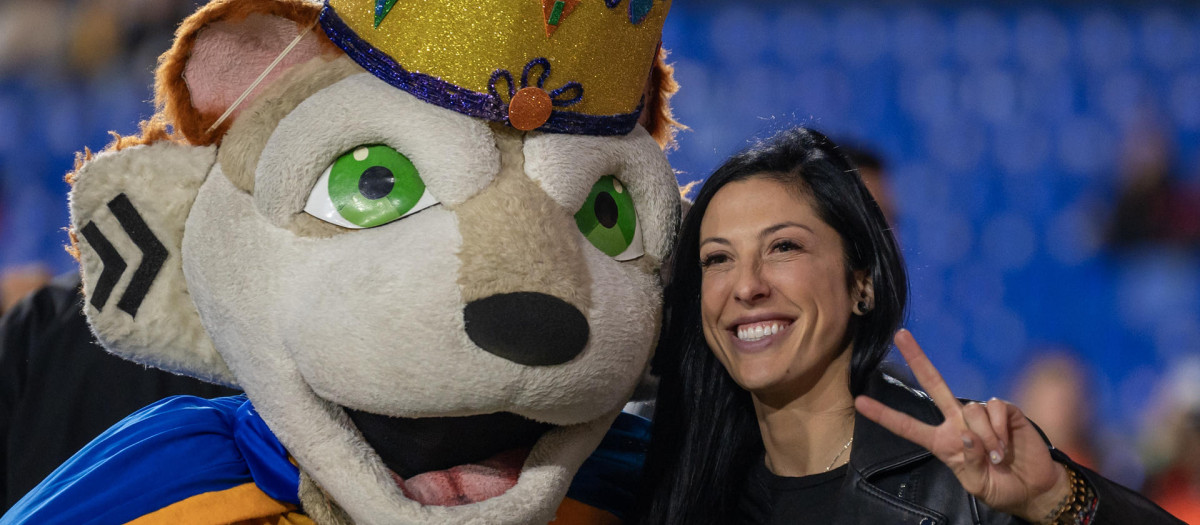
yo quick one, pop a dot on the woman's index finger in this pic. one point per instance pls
(927, 375)
(897, 422)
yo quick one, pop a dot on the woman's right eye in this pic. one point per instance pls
(716, 258)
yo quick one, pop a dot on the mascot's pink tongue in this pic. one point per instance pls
(465, 483)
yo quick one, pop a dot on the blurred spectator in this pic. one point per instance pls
(874, 174)
(1053, 392)
(27, 42)
(1154, 205)
(1173, 443)
(20, 281)
(1056, 392)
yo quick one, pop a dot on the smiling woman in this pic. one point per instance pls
(787, 287)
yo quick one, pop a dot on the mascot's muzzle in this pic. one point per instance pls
(527, 328)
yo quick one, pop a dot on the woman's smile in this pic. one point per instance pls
(757, 335)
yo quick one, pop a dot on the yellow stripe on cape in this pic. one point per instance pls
(246, 504)
(242, 505)
(572, 512)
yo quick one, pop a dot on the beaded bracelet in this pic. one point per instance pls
(1078, 507)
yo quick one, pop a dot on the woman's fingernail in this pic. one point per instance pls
(995, 456)
(967, 442)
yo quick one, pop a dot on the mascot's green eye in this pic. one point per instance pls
(368, 186)
(609, 221)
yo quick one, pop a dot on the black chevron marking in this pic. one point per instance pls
(114, 264)
(154, 254)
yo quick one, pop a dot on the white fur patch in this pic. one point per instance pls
(161, 181)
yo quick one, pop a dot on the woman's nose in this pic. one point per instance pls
(750, 286)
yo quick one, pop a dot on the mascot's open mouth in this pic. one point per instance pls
(451, 461)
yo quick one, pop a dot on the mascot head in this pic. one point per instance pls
(422, 235)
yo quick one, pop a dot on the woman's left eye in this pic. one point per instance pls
(369, 186)
(786, 246)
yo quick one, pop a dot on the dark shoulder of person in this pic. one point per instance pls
(59, 388)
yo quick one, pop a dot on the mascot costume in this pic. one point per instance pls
(422, 236)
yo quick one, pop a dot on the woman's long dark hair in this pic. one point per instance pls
(706, 434)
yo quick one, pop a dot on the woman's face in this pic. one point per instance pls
(774, 299)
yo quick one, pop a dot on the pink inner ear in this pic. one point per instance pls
(228, 56)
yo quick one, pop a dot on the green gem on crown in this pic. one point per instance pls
(556, 14)
(382, 8)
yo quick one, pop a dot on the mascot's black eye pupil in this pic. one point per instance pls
(377, 182)
(606, 209)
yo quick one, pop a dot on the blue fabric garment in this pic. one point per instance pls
(268, 461)
(167, 452)
(608, 479)
(184, 446)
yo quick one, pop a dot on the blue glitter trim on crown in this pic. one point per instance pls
(486, 106)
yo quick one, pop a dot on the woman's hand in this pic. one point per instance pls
(995, 452)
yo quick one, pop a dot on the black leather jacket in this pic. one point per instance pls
(894, 481)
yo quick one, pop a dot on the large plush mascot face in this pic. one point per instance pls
(401, 287)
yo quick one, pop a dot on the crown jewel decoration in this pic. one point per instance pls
(382, 8)
(582, 64)
(556, 11)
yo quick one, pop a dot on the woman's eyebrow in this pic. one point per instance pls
(773, 229)
(718, 240)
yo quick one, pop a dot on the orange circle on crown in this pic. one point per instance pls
(530, 108)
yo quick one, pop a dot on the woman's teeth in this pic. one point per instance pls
(756, 331)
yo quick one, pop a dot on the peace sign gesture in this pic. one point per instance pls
(995, 452)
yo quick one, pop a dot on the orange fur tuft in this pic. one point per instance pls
(656, 115)
(156, 129)
(81, 158)
(72, 248)
(150, 131)
(686, 190)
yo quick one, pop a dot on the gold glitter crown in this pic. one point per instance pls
(559, 66)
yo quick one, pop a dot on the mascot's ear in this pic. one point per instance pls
(128, 209)
(656, 113)
(221, 49)
(129, 205)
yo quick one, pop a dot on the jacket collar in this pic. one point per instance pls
(876, 448)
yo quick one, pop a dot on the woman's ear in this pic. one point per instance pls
(863, 293)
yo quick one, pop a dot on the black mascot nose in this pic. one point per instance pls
(527, 328)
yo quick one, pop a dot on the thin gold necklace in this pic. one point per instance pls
(839, 455)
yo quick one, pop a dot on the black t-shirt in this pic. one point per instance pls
(59, 389)
(768, 499)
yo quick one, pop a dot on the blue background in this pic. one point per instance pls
(1003, 126)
